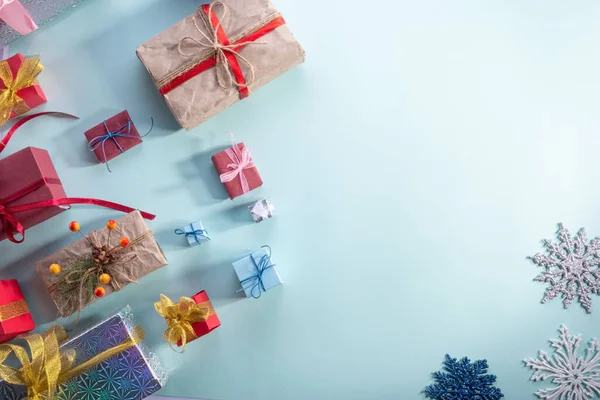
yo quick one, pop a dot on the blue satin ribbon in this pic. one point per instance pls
(256, 279)
(198, 233)
(118, 133)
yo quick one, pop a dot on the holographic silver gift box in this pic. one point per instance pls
(41, 11)
(133, 374)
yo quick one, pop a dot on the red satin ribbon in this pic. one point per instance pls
(12, 225)
(31, 188)
(23, 120)
(231, 58)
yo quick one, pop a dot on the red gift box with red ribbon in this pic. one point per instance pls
(15, 318)
(28, 176)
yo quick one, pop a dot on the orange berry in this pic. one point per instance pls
(54, 269)
(99, 291)
(74, 226)
(105, 279)
(124, 241)
(111, 224)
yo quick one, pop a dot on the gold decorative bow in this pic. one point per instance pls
(26, 75)
(48, 367)
(180, 318)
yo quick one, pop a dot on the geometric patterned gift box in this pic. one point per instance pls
(41, 11)
(132, 374)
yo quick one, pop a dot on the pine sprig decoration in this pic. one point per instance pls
(74, 282)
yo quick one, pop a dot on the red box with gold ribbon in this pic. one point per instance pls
(219, 55)
(19, 88)
(188, 319)
(15, 318)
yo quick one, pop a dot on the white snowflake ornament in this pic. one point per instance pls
(576, 377)
(571, 267)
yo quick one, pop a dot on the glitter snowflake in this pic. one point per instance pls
(463, 380)
(575, 377)
(571, 267)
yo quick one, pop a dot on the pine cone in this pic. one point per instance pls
(102, 256)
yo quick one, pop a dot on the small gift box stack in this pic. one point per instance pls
(109, 361)
(15, 318)
(217, 56)
(94, 266)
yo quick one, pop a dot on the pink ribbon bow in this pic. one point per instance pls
(241, 160)
(16, 16)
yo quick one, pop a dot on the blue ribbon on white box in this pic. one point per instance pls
(194, 232)
(257, 273)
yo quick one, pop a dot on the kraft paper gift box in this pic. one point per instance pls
(40, 12)
(198, 77)
(23, 70)
(15, 318)
(131, 374)
(194, 233)
(142, 256)
(28, 176)
(257, 273)
(108, 148)
(227, 161)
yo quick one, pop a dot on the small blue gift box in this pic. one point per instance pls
(194, 232)
(257, 273)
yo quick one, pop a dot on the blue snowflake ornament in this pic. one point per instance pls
(463, 380)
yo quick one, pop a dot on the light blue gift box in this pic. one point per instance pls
(257, 273)
(195, 233)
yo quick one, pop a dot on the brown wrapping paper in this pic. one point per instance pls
(200, 98)
(146, 257)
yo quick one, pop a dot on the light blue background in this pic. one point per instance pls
(415, 160)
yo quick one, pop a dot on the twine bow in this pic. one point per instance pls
(180, 318)
(48, 367)
(222, 48)
(256, 280)
(241, 160)
(122, 132)
(10, 101)
(196, 233)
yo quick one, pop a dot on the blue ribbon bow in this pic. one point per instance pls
(256, 279)
(118, 133)
(197, 234)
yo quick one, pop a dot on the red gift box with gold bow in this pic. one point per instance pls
(15, 318)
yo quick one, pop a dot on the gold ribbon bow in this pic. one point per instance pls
(180, 318)
(26, 75)
(48, 367)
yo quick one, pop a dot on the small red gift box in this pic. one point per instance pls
(113, 137)
(28, 176)
(32, 96)
(15, 318)
(237, 170)
(211, 323)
